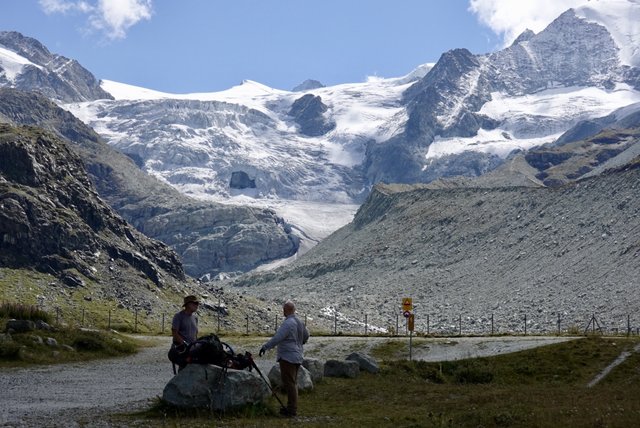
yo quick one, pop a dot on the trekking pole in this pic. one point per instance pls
(255, 366)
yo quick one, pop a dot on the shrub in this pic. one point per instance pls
(23, 312)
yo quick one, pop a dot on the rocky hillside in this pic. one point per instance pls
(62, 246)
(54, 221)
(210, 238)
(543, 253)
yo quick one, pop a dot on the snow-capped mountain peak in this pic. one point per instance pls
(621, 18)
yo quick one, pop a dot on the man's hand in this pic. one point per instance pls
(262, 351)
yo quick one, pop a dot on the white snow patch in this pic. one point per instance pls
(621, 18)
(13, 64)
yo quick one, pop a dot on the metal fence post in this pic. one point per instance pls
(492, 326)
(219, 310)
(365, 324)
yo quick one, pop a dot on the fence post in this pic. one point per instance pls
(492, 329)
(335, 321)
(428, 326)
(628, 325)
(558, 323)
(305, 320)
(276, 329)
(365, 324)
(460, 325)
(162, 323)
(219, 310)
(397, 324)
(247, 317)
(525, 324)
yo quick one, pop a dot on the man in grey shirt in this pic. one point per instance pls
(289, 339)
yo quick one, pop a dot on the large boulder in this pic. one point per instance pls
(366, 362)
(337, 368)
(305, 383)
(315, 368)
(20, 326)
(207, 386)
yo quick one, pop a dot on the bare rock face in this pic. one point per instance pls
(52, 219)
(211, 387)
(53, 75)
(308, 112)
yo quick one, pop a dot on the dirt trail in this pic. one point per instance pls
(84, 394)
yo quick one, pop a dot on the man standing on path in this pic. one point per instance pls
(289, 339)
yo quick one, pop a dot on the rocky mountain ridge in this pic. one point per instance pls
(52, 75)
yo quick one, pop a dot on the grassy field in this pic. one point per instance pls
(66, 344)
(542, 387)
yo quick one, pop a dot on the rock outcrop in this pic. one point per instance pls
(52, 218)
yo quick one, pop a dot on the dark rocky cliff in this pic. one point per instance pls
(53, 220)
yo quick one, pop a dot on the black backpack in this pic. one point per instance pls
(209, 350)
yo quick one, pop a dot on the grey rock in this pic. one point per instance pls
(308, 112)
(338, 368)
(315, 368)
(203, 386)
(50, 341)
(41, 325)
(20, 326)
(366, 362)
(304, 381)
(37, 340)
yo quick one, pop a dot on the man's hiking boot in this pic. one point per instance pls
(286, 412)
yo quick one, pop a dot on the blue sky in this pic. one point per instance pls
(186, 46)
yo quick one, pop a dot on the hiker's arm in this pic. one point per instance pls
(176, 336)
(283, 331)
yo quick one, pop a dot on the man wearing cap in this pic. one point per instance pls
(289, 338)
(184, 327)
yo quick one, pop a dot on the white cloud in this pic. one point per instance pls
(111, 17)
(64, 6)
(509, 18)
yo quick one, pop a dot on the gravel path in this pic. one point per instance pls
(85, 394)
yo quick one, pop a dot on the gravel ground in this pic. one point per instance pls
(86, 394)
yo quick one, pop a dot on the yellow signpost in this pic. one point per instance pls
(407, 307)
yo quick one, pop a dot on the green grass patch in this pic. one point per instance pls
(23, 349)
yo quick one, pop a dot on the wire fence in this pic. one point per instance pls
(333, 322)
